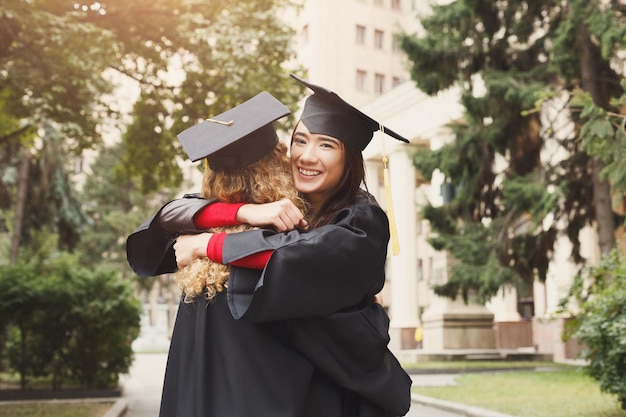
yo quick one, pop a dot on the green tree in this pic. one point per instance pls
(114, 207)
(507, 58)
(603, 136)
(229, 53)
(188, 59)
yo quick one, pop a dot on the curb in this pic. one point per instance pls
(118, 409)
(463, 410)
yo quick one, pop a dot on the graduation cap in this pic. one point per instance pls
(328, 114)
(237, 137)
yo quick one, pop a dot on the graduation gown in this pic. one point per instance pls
(218, 366)
(340, 364)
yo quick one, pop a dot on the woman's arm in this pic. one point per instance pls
(190, 247)
(309, 274)
(149, 249)
(183, 216)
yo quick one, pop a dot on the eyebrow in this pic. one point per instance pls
(322, 137)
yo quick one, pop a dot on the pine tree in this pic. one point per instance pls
(521, 176)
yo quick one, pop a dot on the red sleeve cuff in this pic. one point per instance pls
(253, 261)
(214, 248)
(217, 215)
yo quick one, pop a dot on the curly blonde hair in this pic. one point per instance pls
(264, 181)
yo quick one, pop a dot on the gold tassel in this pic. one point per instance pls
(393, 231)
(206, 163)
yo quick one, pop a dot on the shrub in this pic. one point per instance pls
(600, 324)
(66, 322)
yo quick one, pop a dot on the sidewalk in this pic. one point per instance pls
(142, 387)
(142, 393)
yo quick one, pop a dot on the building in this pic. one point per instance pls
(348, 45)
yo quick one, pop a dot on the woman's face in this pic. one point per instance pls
(317, 164)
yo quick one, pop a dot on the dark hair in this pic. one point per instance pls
(347, 189)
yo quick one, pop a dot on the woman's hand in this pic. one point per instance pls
(282, 215)
(190, 247)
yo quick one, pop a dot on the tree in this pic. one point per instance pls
(603, 135)
(60, 65)
(517, 174)
(188, 59)
(596, 300)
(113, 206)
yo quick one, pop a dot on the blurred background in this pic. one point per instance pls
(509, 200)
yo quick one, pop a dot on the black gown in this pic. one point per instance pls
(301, 338)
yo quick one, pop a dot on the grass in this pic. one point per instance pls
(563, 393)
(461, 366)
(68, 409)
(566, 392)
(48, 408)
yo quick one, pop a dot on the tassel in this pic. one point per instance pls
(393, 231)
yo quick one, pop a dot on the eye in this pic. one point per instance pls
(329, 144)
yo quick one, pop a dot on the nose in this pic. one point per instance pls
(308, 154)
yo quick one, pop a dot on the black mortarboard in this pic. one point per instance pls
(237, 137)
(328, 114)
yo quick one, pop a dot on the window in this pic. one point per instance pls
(361, 80)
(360, 35)
(379, 83)
(395, 81)
(396, 4)
(395, 44)
(379, 39)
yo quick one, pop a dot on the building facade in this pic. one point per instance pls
(348, 45)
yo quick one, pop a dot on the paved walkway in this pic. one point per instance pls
(142, 392)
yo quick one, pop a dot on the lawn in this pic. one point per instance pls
(48, 408)
(461, 366)
(56, 409)
(564, 393)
